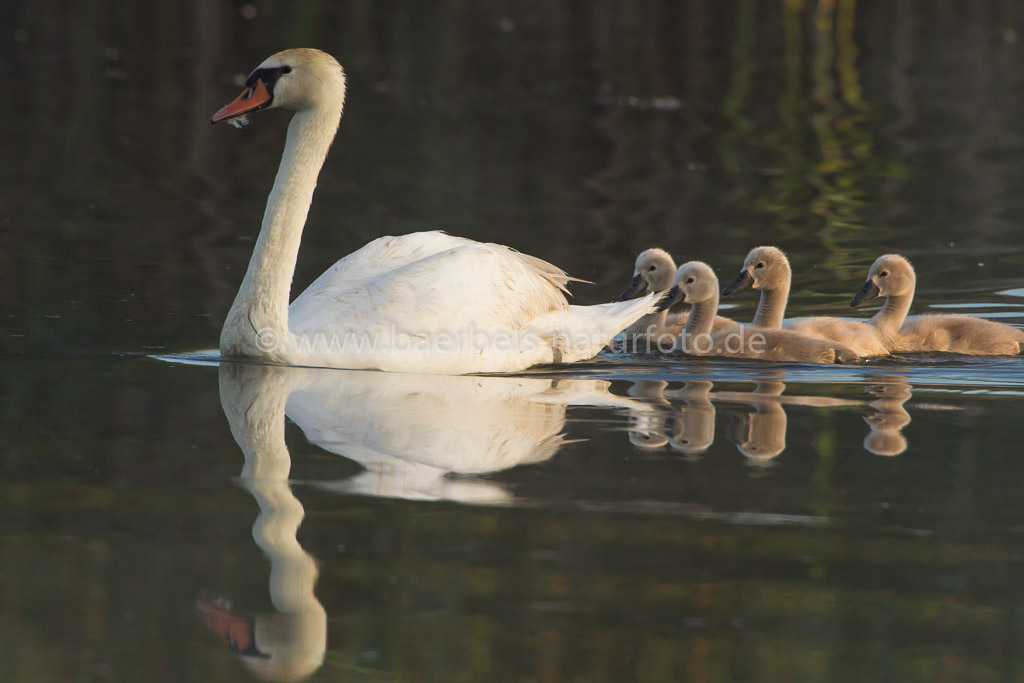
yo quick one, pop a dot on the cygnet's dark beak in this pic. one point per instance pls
(671, 298)
(868, 291)
(743, 281)
(636, 287)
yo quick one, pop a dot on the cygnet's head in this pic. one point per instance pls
(297, 79)
(694, 282)
(653, 273)
(890, 275)
(764, 268)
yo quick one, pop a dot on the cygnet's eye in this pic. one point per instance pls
(759, 265)
(653, 268)
(689, 281)
(884, 273)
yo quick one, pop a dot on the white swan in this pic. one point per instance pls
(891, 276)
(767, 269)
(425, 302)
(697, 284)
(654, 272)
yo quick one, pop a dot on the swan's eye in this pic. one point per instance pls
(759, 265)
(884, 273)
(286, 69)
(689, 281)
(653, 268)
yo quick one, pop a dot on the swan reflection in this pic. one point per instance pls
(409, 432)
(412, 433)
(288, 645)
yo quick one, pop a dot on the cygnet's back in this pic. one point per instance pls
(960, 334)
(789, 345)
(862, 337)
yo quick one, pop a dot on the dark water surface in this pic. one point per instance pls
(169, 519)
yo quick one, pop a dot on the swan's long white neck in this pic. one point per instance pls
(771, 309)
(262, 300)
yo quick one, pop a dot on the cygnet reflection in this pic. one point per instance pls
(693, 426)
(685, 417)
(760, 435)
(648, 428)
(889, 417)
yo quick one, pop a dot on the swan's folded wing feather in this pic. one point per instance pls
(378, 257)
(480, 286)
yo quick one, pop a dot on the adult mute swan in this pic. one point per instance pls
(425, 302)
(891, 276)
(696, 284)
(767, 269)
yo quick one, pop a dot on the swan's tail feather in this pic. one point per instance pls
(550, 272)
(583, 331)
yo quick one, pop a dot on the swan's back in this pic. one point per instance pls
(960, 334)
(385, 254)
(430, 279)
(429, 302)
(863, 338)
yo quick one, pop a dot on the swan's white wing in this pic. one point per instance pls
(378, 257)
(485, 287)
(429, 302)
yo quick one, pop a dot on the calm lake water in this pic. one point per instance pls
(167, 518)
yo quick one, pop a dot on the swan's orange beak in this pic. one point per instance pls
(237, 632)
(251, 99)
